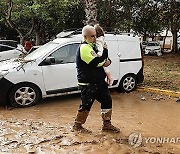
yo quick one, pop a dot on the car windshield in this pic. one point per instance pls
(152, 44)
(43, 50)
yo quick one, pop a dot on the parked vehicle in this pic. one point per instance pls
(8, 52)
(153, 47)
(11, 43)
(50, 70)
(178, 45)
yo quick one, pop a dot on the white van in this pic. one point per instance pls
(51, 69)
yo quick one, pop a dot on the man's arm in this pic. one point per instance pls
(90, 57)
(99, 61)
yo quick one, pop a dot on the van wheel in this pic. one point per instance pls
(128, 83)
(24, 95)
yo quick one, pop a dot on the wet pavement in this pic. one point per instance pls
(47, 127)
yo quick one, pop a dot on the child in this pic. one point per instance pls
(100, 42)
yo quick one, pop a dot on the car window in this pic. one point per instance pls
(65, 54)
(5, 48)
(9, 43)
(150, 44)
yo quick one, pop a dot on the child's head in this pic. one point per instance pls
(99, 30)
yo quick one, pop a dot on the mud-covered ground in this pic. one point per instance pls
(162, 72)
(47, 127)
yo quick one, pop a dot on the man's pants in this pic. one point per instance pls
(98, 91)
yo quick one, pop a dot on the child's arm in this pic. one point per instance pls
(110, 79)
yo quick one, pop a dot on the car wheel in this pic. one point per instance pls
(24, 95)
(128, 83)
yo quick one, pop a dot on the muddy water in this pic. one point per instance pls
(47, 127)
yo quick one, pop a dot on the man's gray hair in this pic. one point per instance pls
(86, 29)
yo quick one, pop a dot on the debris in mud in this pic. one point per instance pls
(178, 100)
(27, 134)
(31, 150)
(158, 97)
(31, 136)
(122, 140)
(143, 98)
(152, 96)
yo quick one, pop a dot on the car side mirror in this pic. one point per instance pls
(49, 60)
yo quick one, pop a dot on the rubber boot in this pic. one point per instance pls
(107, 126)
(81, 119)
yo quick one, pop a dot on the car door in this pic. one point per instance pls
(60, 76)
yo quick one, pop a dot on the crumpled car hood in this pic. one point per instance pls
(9, 64)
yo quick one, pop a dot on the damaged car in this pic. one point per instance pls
(50, 70)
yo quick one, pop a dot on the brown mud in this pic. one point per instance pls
(47, 127)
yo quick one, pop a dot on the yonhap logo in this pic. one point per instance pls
(135, 139)
(162, 140)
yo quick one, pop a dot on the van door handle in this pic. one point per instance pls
(119, 54)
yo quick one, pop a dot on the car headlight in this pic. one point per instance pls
(3, 73)
(158, 49)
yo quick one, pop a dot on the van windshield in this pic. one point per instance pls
(43, 50)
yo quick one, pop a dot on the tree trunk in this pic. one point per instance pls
(38, 38)
(174, 49)
(144, 36)
(91, 12)
(22, 40)
(174, 24)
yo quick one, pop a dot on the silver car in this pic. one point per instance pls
(153, 47)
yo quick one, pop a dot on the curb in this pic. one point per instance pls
(159, 91)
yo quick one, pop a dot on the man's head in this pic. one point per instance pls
(89, 34)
